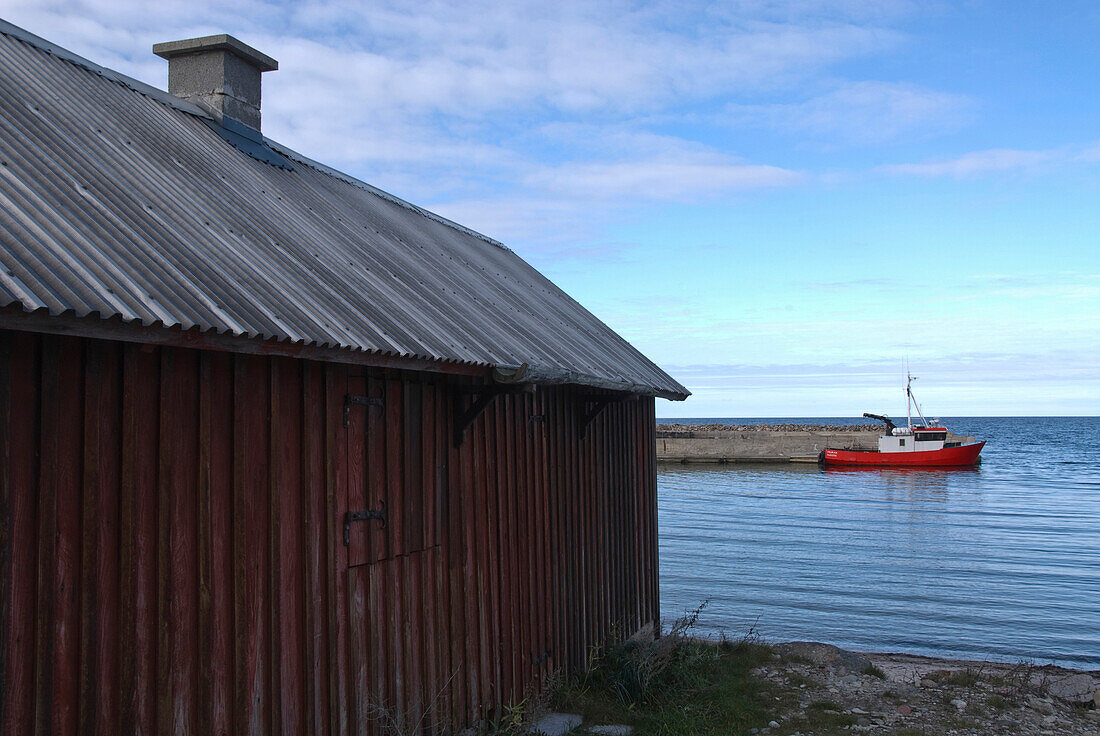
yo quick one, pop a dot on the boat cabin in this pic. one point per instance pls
(904, 439)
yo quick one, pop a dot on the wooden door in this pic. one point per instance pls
(397, 475)
(397, 467)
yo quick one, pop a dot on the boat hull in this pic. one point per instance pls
(946, 458)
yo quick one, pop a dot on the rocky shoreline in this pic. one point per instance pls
(908, 695)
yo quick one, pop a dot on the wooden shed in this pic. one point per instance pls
(280, 452)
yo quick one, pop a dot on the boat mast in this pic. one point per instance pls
(911, 400)
(908, 398)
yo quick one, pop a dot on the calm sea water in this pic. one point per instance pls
(999, 562)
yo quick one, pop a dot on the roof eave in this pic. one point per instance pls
(17, 317)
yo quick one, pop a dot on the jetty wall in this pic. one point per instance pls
(758, 445)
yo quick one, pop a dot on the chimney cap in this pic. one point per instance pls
(220, 42)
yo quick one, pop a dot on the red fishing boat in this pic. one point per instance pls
(926, 444)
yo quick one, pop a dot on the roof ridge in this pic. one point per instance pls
(21, 34)
(166, 98)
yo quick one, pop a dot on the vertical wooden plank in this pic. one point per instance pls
(413, 490)
(287, 585)
(586, 516)
(432, 601)
(99, 555)
(650, 454)
(59, 532)
(563, 460)
(475, 585)
(379, 426)
(138, 528)
(392, 615)
(431, 460)
(365, 673)
(577, 466)
(393, 431)
(340, 658)
(495, 464)
(447, 712)
(314, 560)
(437, 651)
(179, 532)
(529, 431)
(490, 605)
(411, 588)
(510, 560)
(536, 434)
(250, 544)
(552, 515)
(215, 542)
(397, 616)
(552, 474)
(603, 534)
(19, 438)
(336, 489)
(639, 515)
(621, 520)
(357, 437)
(456, 541)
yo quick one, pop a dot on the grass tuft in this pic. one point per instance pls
(674, 684)
(875, 671)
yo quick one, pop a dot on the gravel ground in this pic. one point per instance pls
(827, 690)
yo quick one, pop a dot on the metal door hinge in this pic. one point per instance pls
(379, 514)
(351, 400)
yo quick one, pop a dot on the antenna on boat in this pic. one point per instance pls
(911, 400)
(908, 396)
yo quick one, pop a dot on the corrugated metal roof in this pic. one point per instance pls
(117, 199)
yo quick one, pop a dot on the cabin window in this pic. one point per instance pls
(902, 442)
(930, 436)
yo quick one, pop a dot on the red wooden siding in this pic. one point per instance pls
(172, 555)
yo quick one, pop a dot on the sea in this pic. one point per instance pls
(1000, 562)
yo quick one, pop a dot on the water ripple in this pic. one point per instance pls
(998, 562)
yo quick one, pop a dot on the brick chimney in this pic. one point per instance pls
(219, 73)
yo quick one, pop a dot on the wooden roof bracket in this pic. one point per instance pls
(482, 397)
(588, 415)
(597, 402)
(464, 418)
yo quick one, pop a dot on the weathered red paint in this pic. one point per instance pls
(172, 556)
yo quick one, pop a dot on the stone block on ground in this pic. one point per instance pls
(825, 655)
(556, 724)
(612, 730)
(1077, 688)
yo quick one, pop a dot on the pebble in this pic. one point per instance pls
(773, 724)
(860, 712)
(1040, 705)
(904, 710)
(960, 704)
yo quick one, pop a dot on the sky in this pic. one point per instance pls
(781, 202)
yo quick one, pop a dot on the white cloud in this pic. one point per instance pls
(997, 160)
(862, 112)
(953, 384)
(661, 179)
